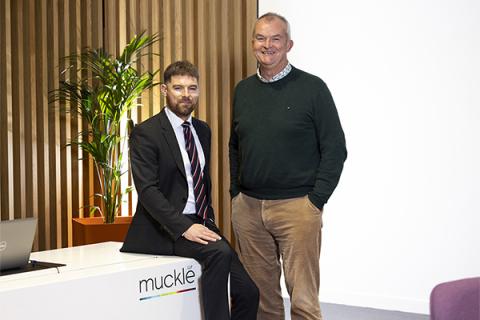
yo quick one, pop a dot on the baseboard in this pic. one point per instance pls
(376, 302)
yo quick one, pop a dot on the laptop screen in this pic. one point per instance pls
(16, 240)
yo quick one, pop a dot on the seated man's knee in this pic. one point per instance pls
(221, 251)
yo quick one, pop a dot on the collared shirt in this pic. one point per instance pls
(176, 123)
(282, 74)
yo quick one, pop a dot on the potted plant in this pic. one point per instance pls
(103, 92)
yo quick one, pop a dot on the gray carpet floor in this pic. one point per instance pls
(342, 312)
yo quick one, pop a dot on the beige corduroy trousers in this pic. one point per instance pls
(275, 232)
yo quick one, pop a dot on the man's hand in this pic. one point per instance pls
(201, 234)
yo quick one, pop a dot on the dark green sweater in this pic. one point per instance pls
(286, 139)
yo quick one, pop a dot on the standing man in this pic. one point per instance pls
(287, 150)
(170, 155)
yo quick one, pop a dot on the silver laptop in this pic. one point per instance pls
(16, 240)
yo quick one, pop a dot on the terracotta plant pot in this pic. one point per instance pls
(94, 230)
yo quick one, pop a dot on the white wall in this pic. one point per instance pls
(405, 76)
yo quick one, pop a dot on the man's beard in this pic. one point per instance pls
(183, 108)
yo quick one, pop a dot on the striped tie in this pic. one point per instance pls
(199, 188)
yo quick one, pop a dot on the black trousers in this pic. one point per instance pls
(218, 261)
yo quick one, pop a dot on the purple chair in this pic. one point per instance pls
(456, 300)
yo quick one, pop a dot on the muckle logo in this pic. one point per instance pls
(3, 245)
(175, 282)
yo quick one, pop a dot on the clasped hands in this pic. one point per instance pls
(200, 234)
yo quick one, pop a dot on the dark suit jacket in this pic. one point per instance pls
(160, 180)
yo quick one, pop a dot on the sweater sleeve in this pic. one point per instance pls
(331, 143)
(233, 153)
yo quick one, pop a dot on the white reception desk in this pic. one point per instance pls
(100, 282)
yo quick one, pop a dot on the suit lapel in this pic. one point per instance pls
(172, 141)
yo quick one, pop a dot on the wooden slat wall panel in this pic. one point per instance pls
(42, 156)
(225, 98)
(5, 76)
(31, 141)
(6, 192)
(39, 175)
(18, 110)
